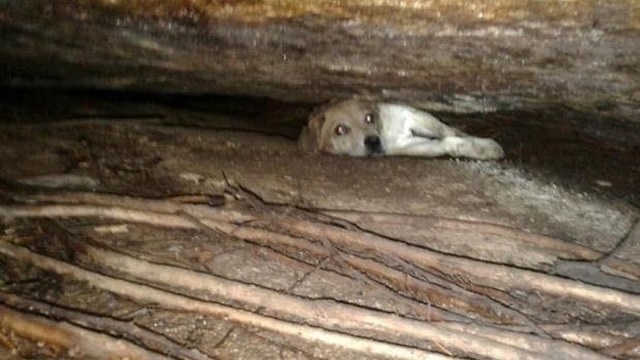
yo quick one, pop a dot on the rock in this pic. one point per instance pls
(577, 59)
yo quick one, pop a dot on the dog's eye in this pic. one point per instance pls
(369, 118)
(341, 130)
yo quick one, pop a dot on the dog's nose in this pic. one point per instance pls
(373, 144)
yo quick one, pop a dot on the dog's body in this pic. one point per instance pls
(362, 128)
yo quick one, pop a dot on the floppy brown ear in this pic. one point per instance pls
(309, 139)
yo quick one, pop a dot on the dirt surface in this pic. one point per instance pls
(195, 231)
(599, 158)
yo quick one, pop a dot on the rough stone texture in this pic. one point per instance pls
(577, 59)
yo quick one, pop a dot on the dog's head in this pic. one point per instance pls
(350, 127)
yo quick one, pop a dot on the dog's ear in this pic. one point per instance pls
(309, 139)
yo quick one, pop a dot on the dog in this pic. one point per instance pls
(364, 128)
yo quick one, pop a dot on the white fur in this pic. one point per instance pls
(396, 122)
(399, 123)
(346, 128)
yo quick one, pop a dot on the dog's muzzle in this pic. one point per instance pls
(373, 145)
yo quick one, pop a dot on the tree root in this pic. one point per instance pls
(326, 321)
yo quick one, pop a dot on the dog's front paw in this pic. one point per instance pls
(487, 149)
(474, 148)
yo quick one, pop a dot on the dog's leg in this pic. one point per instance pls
(419, 146)
(472, 147)
(410, 131)
(453, 141)
(456, 146)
